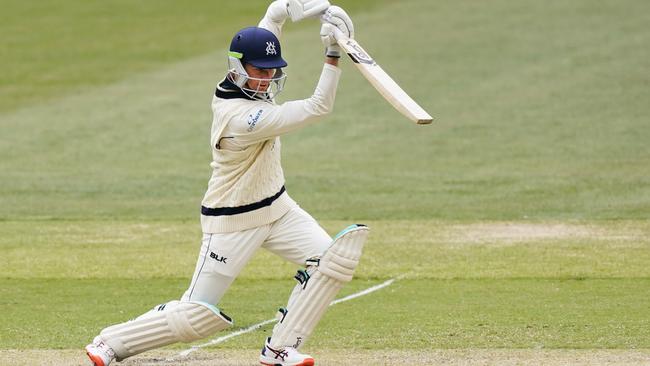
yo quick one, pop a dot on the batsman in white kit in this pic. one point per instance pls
(246, 205)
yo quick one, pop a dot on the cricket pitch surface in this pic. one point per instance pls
(354, 357)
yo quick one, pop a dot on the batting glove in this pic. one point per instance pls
(336, 25)
(301, 9)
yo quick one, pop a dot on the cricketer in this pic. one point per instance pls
(246, 205)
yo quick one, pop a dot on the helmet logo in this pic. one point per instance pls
(270, 48)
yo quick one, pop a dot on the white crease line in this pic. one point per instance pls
(269, 321)
(364, 292)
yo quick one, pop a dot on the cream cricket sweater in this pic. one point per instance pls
(246, 189)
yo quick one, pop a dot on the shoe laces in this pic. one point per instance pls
(281, 353)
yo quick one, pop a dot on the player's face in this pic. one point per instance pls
(264, 74)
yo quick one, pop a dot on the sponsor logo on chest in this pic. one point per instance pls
(252, 120)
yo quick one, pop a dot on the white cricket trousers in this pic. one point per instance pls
(296, 237)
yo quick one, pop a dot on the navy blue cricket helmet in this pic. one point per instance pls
(258, 47)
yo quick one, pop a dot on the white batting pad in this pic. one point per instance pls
(176, 322)
(308, 305)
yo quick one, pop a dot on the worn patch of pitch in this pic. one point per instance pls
(217, 357)
(517, 232)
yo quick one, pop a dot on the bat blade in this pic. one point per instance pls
(384, 84)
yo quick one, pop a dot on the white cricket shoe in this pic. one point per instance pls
(287, 356)
(99, 352)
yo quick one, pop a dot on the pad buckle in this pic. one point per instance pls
(302, 276)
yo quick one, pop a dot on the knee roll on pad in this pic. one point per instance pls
(315, 292)
(340, 261)
(175, 322)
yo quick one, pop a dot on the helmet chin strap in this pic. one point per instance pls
(238, 76)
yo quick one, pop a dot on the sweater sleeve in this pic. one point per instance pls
(273, 12)
(264, 120)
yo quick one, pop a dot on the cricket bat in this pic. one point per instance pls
(384, 84)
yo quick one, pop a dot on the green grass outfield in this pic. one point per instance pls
(518, 220)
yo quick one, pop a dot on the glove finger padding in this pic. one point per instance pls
(315, 7)
(328, 35)
(336, 16)
(301, 9)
